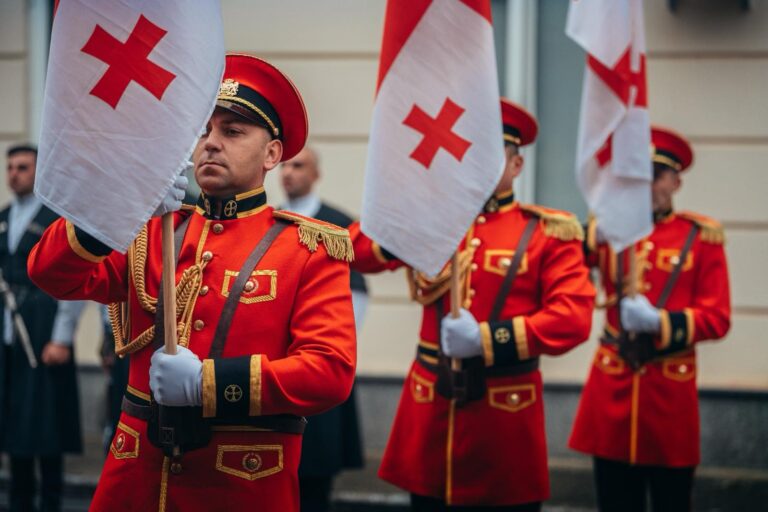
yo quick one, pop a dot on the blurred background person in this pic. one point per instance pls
(39, 418)
(332, 440)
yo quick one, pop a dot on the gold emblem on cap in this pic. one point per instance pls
(228, 87)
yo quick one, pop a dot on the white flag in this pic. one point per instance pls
(613, 165)
(436, 150)
(130, 85)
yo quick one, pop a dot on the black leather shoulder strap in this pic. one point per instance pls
(509, 278)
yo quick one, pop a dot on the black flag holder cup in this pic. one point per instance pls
(175, 430)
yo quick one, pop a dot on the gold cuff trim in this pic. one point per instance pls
(429, 345)
(690, 324)
(209, 388)
(512, 139)
(487, 343)
(521, 337)
(77, 248)
(376, 249)
(253, 107)
(250, 193)
(144, 396)
(666, 330)
(254, 409)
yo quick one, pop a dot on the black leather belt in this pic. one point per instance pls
(429, 359)
(140, 408)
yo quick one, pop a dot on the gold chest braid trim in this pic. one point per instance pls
(426, 290)
(187, 291)
(336, 240)
(560, 225)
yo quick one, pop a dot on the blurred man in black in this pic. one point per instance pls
(332, 439)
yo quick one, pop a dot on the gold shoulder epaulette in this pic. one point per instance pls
(558, 224)
(711, 231)
(336, 240)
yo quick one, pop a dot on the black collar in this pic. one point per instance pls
(496, 202)
(231, 207)
(661, 216)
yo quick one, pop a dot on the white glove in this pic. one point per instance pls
(460, 337)
(639, 315)
(176, 380)
(172, 200)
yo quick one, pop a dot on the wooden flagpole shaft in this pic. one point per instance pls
(169, 285)
(632, 289)
(455, 299)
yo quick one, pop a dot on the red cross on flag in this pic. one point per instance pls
(613, 165)
(130, 85)
(436, 147)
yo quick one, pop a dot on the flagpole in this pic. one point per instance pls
(632, 288)
(455, 299)
(169, 285)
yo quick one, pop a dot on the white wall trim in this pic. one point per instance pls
(520, 79)
(38, 40)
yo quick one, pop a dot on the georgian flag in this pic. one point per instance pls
(130, 84)
(436, 148)
(613, 166)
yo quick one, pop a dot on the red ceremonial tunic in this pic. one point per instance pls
(490, 451)
(292, 342)
(651, 416)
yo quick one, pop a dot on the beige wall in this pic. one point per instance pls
(708, 73)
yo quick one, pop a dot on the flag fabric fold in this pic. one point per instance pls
(613, 166)
(129, 87)
(436, 148)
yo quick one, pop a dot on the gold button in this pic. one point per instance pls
(505, 262)
(249, 286)
(252, 462)
(218, 228)
(643, 370)
(207, 256)
(475, 242)
(204, 290)
(120, 441)
(198, 325)
(682, 368)
(419, 388)
(647, 286)
(472, 293)
(649, 245)
(176, 468)
(674, 260)
(473, 266)
(606, 360)
(513, 398)
(481, 220)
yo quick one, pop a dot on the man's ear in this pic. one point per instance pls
(517, 165)
(273, 154)
(678, 182)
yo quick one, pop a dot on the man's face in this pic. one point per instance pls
(21, 173)
(512, 169)
(233, 155)
(299, 174)
(665, 183)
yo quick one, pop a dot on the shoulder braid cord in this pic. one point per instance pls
(187, 291)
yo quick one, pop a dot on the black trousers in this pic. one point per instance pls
(622, 487)
(315, 493)
(23, 483)
(429, 504)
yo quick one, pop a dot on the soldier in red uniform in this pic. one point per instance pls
(261, 344)
(475, 437)
(638, 414)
